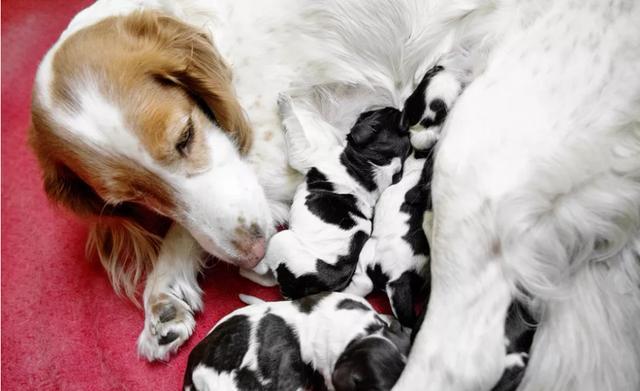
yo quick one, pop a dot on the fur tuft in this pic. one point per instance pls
(127, 252)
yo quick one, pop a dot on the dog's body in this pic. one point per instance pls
(294, 345)
(536, 183)
(332, 210)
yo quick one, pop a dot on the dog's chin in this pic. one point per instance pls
(246, 261)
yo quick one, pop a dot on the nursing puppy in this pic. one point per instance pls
(293, 345)
(395, 258)
(332, 210)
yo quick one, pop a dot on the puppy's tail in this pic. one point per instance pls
(250, 300)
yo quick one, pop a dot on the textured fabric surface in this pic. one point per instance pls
(62, 325)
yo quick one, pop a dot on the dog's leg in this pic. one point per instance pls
(460, 345)
(171, 296)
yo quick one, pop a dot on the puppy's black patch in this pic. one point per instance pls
(367, 364)
(440, 109)
(416, 104)
(279, 358)
(510, 379)
(308, 303)
(223, 349)
(247, 380)
(373, 327)
(334, 208)
(316, 180)
(377, 276)
(520, 328)
(350, 304)
(405, 288)
(315, 380)
(328, 277)
(416, 201)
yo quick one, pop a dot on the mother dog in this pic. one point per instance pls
(168, 109)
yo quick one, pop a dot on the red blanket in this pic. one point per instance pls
(63, 328)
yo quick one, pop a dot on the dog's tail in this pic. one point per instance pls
(250, 300)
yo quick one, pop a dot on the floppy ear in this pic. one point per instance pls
(186, 57)
(364, 129)
(120, 234)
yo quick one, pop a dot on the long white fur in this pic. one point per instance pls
(537, 178)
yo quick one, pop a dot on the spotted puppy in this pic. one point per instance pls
(395, 258)
(293, 345)
(332, 209)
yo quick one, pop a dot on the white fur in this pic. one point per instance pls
(537, 179)
(530, 192)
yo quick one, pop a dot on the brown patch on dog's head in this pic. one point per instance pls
(169, 84)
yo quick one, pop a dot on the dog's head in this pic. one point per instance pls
(373, 362)
(138, 112)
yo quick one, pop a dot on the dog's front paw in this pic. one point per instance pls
(169, 322)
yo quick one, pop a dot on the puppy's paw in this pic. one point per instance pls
(422, 138)
(169, 322)
(285, 106)
(516, 360)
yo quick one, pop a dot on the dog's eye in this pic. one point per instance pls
(185, 140)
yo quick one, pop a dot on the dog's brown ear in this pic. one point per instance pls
(186, 57)
(61, 184)
(125, 239)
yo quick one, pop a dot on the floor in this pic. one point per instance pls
(62, 325)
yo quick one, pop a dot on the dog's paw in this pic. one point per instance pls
(169, 322)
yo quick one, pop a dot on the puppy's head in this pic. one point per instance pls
(368, 364)
(373, 362)
(378, 136)
(139, 110)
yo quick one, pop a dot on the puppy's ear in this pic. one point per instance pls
(186, 57)
(364, 129)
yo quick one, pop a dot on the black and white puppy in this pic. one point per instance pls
(306, 344)
(395, 258)
(332, 209)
